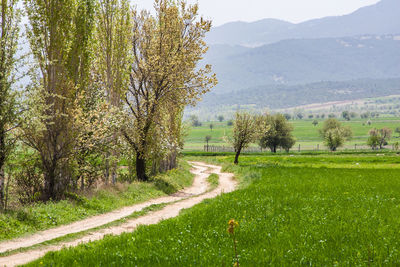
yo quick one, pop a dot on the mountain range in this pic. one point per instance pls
(379, 19)
(272, 57)
(299, 61)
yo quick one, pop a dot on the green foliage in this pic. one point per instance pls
(60, 36)
(379, 137)
(213, 180)
(335, 134)
(28, 179)
(245, 130)
(165, 49)
(346, 115)
(302, 210)
(9, 106)
(277, 134)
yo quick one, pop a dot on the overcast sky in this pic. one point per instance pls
(223, 11)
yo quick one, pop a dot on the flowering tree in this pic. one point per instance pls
(163, 77)
(246, 130)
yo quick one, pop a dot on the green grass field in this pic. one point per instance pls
(305, 133)
(329, 209)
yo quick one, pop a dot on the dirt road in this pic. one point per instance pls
(182, 200)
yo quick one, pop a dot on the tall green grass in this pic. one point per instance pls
(291, 213)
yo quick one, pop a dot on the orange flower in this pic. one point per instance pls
(232, 225)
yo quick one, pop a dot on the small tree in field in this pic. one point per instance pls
(346, 115)
(397, 131)
(207, 139)
(278, 133)
(211, 126)
(379, 137)
(195, 121)
(334, 134)
(220, 118)
(315, 122)
(287, 116)
(245, 131)
(331, 116)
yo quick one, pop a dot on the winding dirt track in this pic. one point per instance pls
(182, 200)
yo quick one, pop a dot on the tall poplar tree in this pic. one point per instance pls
(113, 29)
(9, 36)
(58, 32)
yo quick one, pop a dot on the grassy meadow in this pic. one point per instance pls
(323, 209)
(305, 132)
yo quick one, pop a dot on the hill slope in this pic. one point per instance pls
(284, 96)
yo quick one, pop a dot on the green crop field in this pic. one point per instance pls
(305, 133)
(322, 209)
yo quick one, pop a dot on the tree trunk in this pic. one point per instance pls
(2, 195)
(2, 161)
(237, 156)
(274, 148)
(82, 183)
(107, 170)
(141, 168)
(49, 184)
(114, 175)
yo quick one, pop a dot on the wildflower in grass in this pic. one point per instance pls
(232, 224)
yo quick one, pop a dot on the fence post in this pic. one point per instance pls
(299, 147)
(317, 147)
(355, 146)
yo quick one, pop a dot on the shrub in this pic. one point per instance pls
(29, 180)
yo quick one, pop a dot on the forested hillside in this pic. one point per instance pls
(292, 62)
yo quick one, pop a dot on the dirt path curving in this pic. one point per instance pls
(186, 199)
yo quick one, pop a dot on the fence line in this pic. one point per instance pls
(298, 148)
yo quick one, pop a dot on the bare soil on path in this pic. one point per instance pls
(181, 200)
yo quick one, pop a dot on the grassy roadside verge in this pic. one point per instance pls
(300, 213)
(41, 216)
